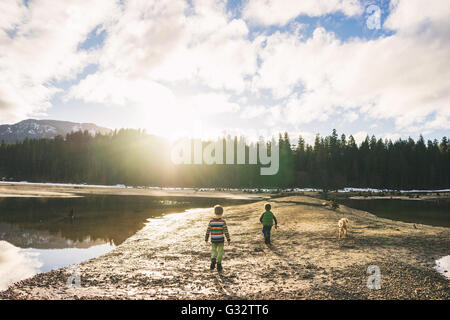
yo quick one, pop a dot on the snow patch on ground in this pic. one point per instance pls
(251, 190)
(443, 266)
(388, 190)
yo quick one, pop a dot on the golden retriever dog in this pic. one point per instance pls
(343, 227)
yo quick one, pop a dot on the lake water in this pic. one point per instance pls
(41, 234)
(434, 213)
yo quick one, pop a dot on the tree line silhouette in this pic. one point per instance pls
(133, 157)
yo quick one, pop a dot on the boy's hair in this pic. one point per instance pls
(267, 206)
(218, 209)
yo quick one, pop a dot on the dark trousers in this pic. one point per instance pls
(266, 233)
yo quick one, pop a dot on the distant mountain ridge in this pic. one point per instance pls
(36, 129)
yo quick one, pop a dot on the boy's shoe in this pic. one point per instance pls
(219, 267)
(213, 264)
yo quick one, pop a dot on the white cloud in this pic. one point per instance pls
(209, 103)
(403, 77)
(109, 88)
(16, 265)
(38, 45)
(275, 12)
(414, 16)
(391, 136)
(307, 107)
(360, 136)
(12, 12)
(439, 122)
(351, 116)
(155, 41)
(153, 48)
(165, 58)
(250, 112)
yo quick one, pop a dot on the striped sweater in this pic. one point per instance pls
(217, 227)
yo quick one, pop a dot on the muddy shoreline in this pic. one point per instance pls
(168, 259)
(69, 191)
(47, 190)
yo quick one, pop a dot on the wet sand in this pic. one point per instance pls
(169, 259)
(67, 191)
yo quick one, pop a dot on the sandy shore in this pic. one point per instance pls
(67, 191)
(169, 259)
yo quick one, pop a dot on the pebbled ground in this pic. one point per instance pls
(169, 259)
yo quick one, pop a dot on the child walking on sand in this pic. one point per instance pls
(217, 227)
(267, 219)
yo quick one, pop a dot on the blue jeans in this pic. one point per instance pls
(266, 232)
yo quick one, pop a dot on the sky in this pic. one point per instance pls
(241, 67)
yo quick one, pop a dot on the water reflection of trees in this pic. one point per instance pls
(434, 213)
(96, 219)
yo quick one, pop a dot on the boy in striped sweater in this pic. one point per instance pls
(217, 227)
